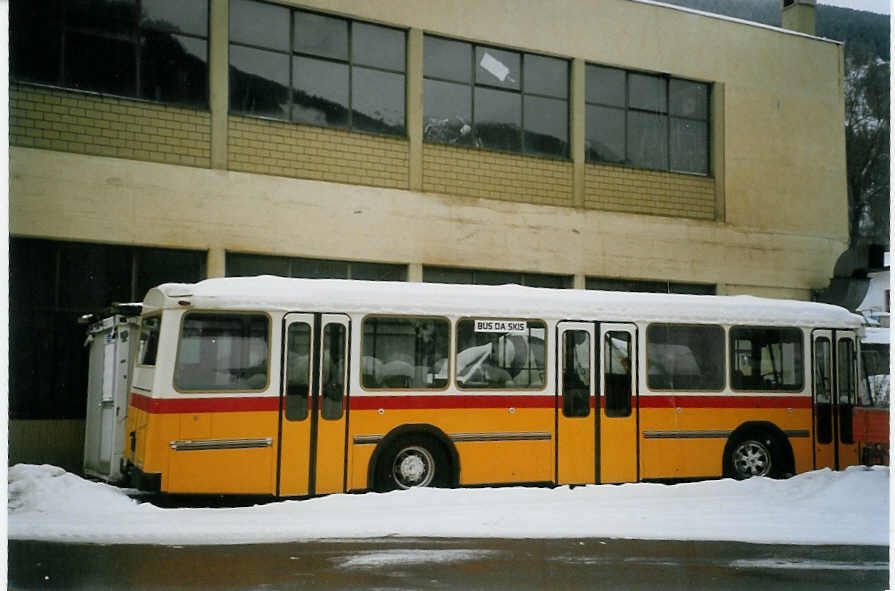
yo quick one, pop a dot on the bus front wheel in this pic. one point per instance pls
(411, 462)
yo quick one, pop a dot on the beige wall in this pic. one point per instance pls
(76, 197)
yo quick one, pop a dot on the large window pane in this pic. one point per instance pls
(178, 17)
(174, 69)
(605, 86)
(503, 354)
(112, 17)
(496, 67)
(318, 269)
(845, 371)
(647, 92)
(35, 38)
(546, 75)
(381, 47)
(259, 82)
(447, 112)
(823, 390)
(222, 352)
(685, 357)
(498, 117)
(766, 358)
(647, 140)
(689, 150)
(321, 92)
(259, 23)
(617, 373)
(377, 272)
(546, 126)
(688, 99)
(405, 353)
(447, 275)
(377, 101)
(332, 377)
(298, 374)
(321, 35)
(576, 373)
(605, 136)
(155, 266)
(443, 58)
(100, 64)
(249, 265)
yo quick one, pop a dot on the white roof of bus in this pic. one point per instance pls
(509, 301)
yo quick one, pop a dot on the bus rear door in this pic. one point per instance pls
(834, 361)
(312, 410)
(576, 424)
(618, 405)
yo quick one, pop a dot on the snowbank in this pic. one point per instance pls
(821, 507)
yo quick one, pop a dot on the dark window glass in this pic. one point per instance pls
(259, 82)
(500, 354)
(488, 277)
(173, 68)
(446, 275)
(617, 373)
(298, 376)
(498, 122)
(611, 284)
(443, 58)
(321, 92)
(377, 101)
(647, 93)
(647, 140)
(380, 47)
(766, 358)
(35, 40)
(688, 99)
(241, 265)
(222, 352)
(546, 126)
(154, 266)
(605, 135)
(495, 67)
(259, 23)
(249, 265)
(447, 112)
(605, 86)
(823, 390)
(576, 373)
(377, 272)
(689, 149)
(149, 335)
(845, 371)
(685, 357)
(318, 269)
(109, 16)
(553, 281)
(101, 64)
(333, 372)
(405, 353)
(175, 17)
(321, 35)
(546, 75)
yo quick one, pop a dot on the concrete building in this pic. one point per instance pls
(567, 143)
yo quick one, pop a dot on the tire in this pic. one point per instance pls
(410, 462)
(754, 454)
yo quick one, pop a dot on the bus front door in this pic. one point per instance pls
(834, 361)
(312, 412)
(618, 403)
(576, 434)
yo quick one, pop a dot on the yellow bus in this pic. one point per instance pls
(295, 387)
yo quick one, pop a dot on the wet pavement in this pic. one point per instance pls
(432, 563)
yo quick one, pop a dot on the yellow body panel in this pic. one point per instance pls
(295, 463)
(576, 444)
(330, 468)
(618, 448)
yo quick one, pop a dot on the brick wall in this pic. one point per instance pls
(319, 153)
(105, 126)
(493, 175)
(629, 190)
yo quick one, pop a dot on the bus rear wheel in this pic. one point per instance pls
(751, 458)
(412, 462)
(756, 453)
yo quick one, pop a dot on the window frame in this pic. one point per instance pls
(158, 338)
(666, 113)
(213, 312)
(473, 84)
(135, 35)
(360, 369)
(349, 62)
(455, 353)
(724, 357)
(732, 352)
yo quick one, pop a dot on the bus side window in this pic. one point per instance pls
(617, 374)
(333, 377)
(846, 373)
(298, 349)
(576, 373)
(823, 407)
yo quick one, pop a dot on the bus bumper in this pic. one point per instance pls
(145, 481)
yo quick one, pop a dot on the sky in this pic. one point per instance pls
(47, 503)
(880, 6)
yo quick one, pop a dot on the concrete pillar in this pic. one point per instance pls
(577, 131)
(216, 263)
(415, 272)
(415, 107)
(579, 281)
(218, 80)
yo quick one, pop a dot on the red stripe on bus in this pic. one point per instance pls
(219, 404)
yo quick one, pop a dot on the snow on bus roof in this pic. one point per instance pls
(387, 297)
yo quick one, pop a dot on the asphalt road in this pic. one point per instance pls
(429, 563)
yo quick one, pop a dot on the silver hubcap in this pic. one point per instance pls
(413, 466)
(752, 458)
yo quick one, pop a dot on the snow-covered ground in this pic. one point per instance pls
(821, 507)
